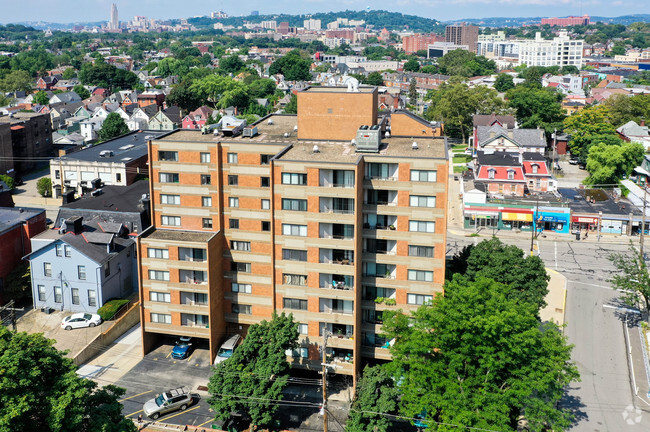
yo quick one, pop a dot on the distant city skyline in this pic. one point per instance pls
(99, 10)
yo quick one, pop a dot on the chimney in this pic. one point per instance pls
(642, 121)
(74, 224)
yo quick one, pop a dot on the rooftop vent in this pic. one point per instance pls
(286, 135)
(387, 134)
(316, 149)
(106, 153)
(295, 128)
(414, 146)
(270, 122)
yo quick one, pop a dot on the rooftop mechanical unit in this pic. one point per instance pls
(368, 139)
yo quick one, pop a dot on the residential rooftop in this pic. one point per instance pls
(178, 235)
(12, 216)
(125, 148)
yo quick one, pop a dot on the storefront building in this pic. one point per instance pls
(554, 219)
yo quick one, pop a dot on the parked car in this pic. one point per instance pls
(183, 348)
(176, 399)
(468, 151)
(227, 349)
(80, 320)
(573, 160)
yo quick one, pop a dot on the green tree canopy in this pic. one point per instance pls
(222, 91)
(376, 393)
(44, 186)
(608, 162)
(105, 75)
(257, 372)
(624, 108)
(504, 82)
(454, 103)
(465, 63)
(9, 181)
(41, 391)
(413, 65)
(292, 106)
(374, 79)
(183, 97)
(16, 80)
(69, 73)
(587, 127)
(231, 64)
(81, 91)
(537, 107)
(493, 259)
(41, 98)
(632, 277)
(462, 359)
(113, 127)
(293, 66)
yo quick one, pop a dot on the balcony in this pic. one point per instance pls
(379, 222)
(193, 277)
(380, 197)
(336, 256)
(380, 246)
(379, 271)
(333, 306)
(336, 178)
(336, 231)
(340, 282)
(336, 205)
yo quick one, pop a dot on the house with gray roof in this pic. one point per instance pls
(67, 97)
(634, 132)
(499, 138)
(81, 265)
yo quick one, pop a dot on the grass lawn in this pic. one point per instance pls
(461, 159)
(458, 147)
(459, 169)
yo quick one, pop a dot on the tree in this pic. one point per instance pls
(16, 80)
(40, 390)
(505, 264)
(504, 82)
(607, 163)
(41, 98)
(465, 63)
(292, 106)
(633, 277)
(184, 98)
(222, 91)
(413, 65)
(376, 393)
(69, 73)
(537, 107)
(44, 186)
(374, 79)
(454, 103)
(231, 64)
(587, 126)
(624, 108)
(478, 358)
(257, 372)
(9, 181)
(413, 91)
(106, 75)
(293, 66)
(113, 127)
(81, 91)
(261, 88)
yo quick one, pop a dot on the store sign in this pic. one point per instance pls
(549, 219)
(589, 220)
(523, 217)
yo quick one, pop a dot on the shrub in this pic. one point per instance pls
(44, 186)
(8, 180)
(110, 308)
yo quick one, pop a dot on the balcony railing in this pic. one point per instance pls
(343, 261)
(337, 285)
(336, 210)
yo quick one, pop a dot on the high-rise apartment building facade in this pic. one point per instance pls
(324, 215)
(461, 34)
(560, 51)
(114, 23)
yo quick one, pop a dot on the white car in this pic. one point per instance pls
(79, 320)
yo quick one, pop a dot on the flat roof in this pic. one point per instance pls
(324, 89)
(114, 198)
(178, 235)
(125, 148)
(12, 216)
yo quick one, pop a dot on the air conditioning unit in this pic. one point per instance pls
(250, 131)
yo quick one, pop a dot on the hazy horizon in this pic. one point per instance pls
(99, 10)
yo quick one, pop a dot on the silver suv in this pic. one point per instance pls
(176, 399)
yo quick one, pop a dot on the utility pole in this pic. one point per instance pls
(645, 194)
(326, 334)
(533, 229)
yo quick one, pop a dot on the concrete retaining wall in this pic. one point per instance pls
(119, 327)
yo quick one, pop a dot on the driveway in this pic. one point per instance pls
(72, 341)
(572, 175)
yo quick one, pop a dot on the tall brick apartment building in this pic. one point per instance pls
(325, 215)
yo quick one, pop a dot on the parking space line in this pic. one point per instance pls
(129, 415)
(170, 353)
(190, 357)
(198, 426)
(131, 397)
(183, 412)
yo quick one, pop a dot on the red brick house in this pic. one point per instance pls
(151, 98)
(197, 118)
(501, 172)
(47, 82)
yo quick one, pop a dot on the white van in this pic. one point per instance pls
(227, 348)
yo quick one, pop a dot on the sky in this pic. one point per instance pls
(66, 11)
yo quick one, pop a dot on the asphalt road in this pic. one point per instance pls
(603, 400)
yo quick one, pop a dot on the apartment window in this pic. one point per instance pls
(535, 168)
(303, 328)
(240, 245)
(420, 275)
(170, 199)
(58, 294)
(92, 298)
(206, 201)
(232, 158)
(240, 267)
(423, 176)
(118, 177)
(418, 299)
(41, 292)
(264, 159)
(233, 223)
(294, 279)
(241, 309)
(294, 230)
(158, 253)
(511, 175)
(193, 276)
(491, 173)
(161, 318)
(266, 204)
(298, 304)
(168, 156)
(205, 157)
(192, 254)
(379, 170)
(233, 180)
(233, 202)
(294, 178)
(57, 174)
(59, 249)
(160, 297)
(294, 255)
(265, 182)
(107, 269)
(422, 226)
(158, 275)
(81, 272)
(372, 292)
(421, 251)
(207, 223)
(294, 204)
(242, 288)
(206, 179)
(422, 201)
(266, 226)
(47, 269)
(75, 296)
(67, 250)
(199, 298)
(171, 220)
(168, 177)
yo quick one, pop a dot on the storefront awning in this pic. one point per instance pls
(524, 217)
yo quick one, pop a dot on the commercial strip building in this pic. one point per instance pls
(325, 215)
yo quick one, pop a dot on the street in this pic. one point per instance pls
(603, 400)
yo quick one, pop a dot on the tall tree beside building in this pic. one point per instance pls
(609, 162)
(293, 66)
(377, 398)
(537, 107)
(413, 65)
(112, 127)
(587, 127)
(16, 80)
(413, 91)
(257, 373)
(41, 391)
(632, 277)
(504, 82)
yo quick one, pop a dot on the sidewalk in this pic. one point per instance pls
(555, 299)
(639, 341)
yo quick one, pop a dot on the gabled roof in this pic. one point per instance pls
(632, 128)
(504, 159)
(500, 173)
(542, 169)
(507, 121)
(521, 137)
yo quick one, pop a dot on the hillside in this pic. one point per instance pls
(519, 21)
